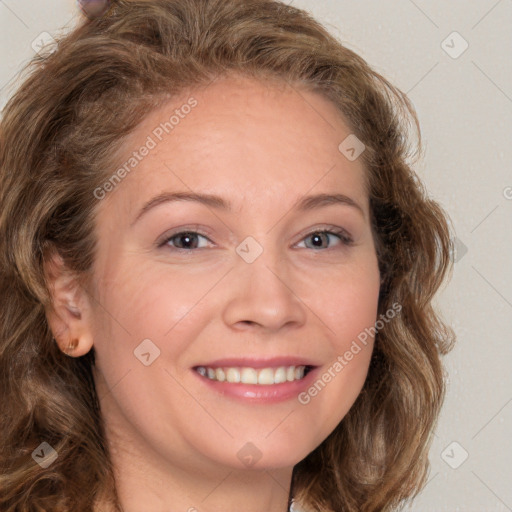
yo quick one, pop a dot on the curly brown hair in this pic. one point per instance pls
(58, 135)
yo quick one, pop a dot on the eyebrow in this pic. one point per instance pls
(306, 203)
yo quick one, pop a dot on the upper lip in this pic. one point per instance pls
(245, 362)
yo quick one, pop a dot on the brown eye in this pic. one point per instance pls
(184, 240)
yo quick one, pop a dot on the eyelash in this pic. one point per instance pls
(345, 239)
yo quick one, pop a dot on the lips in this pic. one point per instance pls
(262, 381)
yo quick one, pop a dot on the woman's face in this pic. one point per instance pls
(254, 290)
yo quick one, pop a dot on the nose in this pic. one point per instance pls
(262, 295)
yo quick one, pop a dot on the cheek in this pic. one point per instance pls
(141, 301)
(348, 301)
(348, 306)
(147, 317)
(353, 312)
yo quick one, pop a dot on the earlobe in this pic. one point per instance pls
(69, 313)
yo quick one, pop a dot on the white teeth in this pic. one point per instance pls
(263, 376)
(249, 376)
(266, 376)
(280, 375)
(233, 375)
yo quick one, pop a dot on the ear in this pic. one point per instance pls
(69, 315)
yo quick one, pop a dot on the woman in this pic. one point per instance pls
(174, 336)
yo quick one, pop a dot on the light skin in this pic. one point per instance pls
(262, 147)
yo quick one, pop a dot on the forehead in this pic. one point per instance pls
(260, 141)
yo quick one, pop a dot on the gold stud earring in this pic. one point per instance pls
(72, 346)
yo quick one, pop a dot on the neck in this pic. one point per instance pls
(144, 485)
(232, 491)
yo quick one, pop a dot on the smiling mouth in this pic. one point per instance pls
(258, 376)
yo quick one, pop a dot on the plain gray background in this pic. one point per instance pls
(464, 103)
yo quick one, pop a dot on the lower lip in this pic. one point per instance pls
(257, 393)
